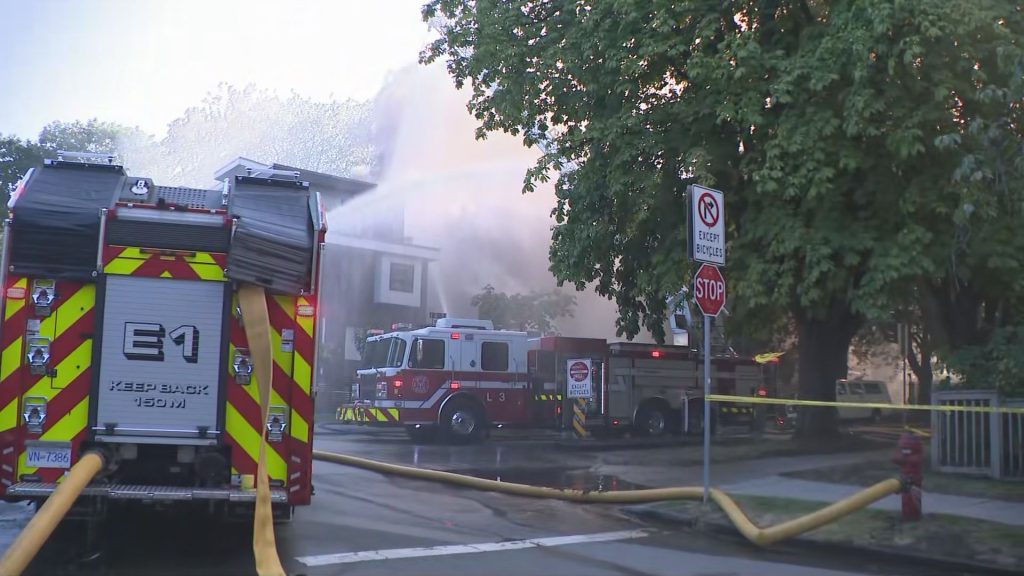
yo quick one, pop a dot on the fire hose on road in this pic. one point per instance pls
(253, 302)
(757, 535)
(34, 535)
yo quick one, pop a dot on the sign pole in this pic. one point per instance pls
(707, 405)
(706, 244)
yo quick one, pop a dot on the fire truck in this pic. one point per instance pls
(121, 332)
(460, 377)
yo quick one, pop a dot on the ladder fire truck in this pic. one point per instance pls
(121, 332)
(460, 377)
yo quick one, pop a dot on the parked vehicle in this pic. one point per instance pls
(460, 377)
(862, 391)
(122, 333)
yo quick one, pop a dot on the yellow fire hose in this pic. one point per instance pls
(253, 302)
(757, 535)
(34, 535)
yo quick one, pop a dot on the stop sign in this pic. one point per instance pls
(709, 289)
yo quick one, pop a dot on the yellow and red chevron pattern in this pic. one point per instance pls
(69, 328)
(366, 415)
(132, 261)
(289, 461)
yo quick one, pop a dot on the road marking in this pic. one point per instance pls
(397, 553)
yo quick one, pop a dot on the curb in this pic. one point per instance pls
(647, 512)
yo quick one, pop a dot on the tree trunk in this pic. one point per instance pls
(920, 361)
(823, 358)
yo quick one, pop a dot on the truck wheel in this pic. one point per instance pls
(462, 422)
(652, 420)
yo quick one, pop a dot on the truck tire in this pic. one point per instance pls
(652, 419)
(462, 422)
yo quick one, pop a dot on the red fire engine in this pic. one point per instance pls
(121, 332)
(461, 377)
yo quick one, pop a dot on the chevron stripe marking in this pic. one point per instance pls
(10, 359)
(9, 415)
(249, 440)
(15, 305)
(299, 426)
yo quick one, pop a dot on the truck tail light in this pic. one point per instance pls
(34, 414)
(38, 355)
(42, 296)
(382, 389)
(277, 422)
(242, 366)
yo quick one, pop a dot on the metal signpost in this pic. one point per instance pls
(579, 387)
(706, 235)
(903, 341)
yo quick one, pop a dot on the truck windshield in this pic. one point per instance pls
(383, 353)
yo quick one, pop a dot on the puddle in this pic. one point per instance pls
(580, 479)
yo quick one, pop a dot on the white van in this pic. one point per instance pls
(866, 391)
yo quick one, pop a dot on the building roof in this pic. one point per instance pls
(321, 179)
(317, 180)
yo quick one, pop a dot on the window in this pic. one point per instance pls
(494, 356)
(856, 388)
(872, 388)
(840, 389)
(427, 353)
(383, 353)
(402, 277)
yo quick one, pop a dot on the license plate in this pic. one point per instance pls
(48, 457)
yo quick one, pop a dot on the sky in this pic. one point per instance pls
(143, 62)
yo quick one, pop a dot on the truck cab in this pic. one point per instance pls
(457, 377)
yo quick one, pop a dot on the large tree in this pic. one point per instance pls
(533, 311)
(327, 136)
(821, 120)
(93, 136)
(16, 157)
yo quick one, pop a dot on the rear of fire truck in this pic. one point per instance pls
(121, 332)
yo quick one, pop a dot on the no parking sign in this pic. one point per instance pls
(577, 378)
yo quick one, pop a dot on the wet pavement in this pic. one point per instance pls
(366, 523)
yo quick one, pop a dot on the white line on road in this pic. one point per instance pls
(396, 553)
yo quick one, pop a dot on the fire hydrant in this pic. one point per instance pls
(911, 461)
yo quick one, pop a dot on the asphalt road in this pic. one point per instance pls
(365, 523)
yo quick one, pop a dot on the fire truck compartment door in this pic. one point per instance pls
(160, 359)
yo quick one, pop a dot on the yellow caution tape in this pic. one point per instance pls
(919, 431)
(253, 302)
(880, 405)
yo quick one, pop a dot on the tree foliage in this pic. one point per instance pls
(326, 136)
(845, 134)
(94, 136)
(16, 157)
(534, 311)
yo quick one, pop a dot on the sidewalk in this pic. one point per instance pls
(1010, 513)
